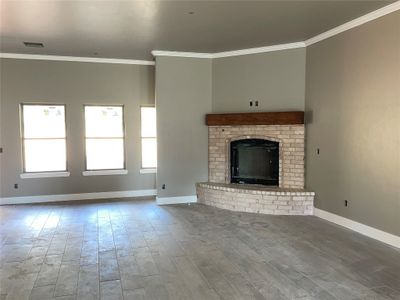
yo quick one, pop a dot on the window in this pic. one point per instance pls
(104, 137)
(43, 138)
(149, 137)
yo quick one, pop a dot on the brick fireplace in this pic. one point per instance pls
(291, 150)
(289, 196)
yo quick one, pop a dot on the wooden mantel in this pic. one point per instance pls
(256, 118)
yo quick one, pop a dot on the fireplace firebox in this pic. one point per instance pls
(255, 161)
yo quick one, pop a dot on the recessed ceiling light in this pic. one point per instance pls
(33, 44)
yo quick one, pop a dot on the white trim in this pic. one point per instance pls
(176, 200)
(104, 172)
(78, 59)
(44, 175)
(259, 50)
(354, 23)
(229, 53)
(71, 197)
(148, 171)
(181, 54)
(371, 232)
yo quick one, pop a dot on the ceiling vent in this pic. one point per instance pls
(33, 44)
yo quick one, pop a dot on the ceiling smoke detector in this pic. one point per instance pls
(33, 44)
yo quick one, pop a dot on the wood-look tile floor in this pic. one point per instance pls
(138, 250)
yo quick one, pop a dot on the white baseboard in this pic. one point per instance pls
(371, 232)
(71, 197)
(176, 200)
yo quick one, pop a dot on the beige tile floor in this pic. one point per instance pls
(138, 250)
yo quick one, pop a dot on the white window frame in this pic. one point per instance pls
(99, 172)
(144, 170)
(42, 174)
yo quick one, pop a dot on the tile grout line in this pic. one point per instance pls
(44, 258)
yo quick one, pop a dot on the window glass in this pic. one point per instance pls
(148, 118)
(104, 121)
(45, 155)
(149, 137)
(43, 121)
(104, 128)
(103, 154)
(149, 153)
(44, 138)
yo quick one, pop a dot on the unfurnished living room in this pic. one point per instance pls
(199, 150)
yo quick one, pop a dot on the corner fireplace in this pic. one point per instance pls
(260, 148)
(255, 161)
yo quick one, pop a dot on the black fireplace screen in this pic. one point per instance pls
(255, 161)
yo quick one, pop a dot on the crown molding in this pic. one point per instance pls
(355, 23)
(78, 59)
(228, 53)
(181, 54)
(259, 50)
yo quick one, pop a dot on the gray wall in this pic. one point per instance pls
(74, 84)
(275, 79)
(353, 108)
(183, 98)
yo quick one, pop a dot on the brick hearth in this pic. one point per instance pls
(256, 199)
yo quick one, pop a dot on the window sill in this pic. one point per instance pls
(104, 172)
(148, 171)
(44, 175)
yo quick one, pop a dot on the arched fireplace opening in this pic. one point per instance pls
(255, 161)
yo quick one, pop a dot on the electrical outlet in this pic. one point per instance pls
(251, 103)
(317, 151)
(256, 103)
(163, 186)
(346, 203)
(15, 185)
